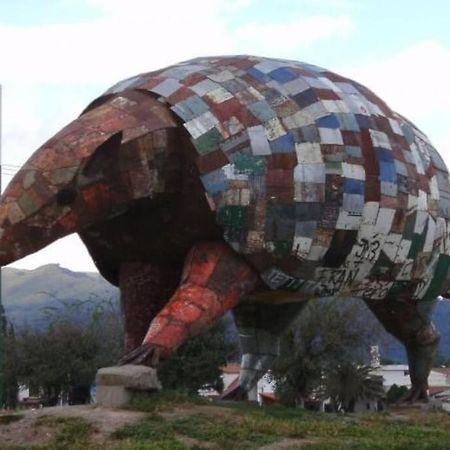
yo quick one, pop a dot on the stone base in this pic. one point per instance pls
(116, 385)
(112, 396)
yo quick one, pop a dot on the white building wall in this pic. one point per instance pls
(228, 378)
(437, 379)
(265, 386)
(394, 374)
(362, 406)
(23, 393)
(399, 374)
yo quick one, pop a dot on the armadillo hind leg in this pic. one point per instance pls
(260, 328)
(214, 279)
(144, 289)
(410, 323)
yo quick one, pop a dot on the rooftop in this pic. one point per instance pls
(231, 368)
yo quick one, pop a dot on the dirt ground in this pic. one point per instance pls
(33, 429)
(27, 431)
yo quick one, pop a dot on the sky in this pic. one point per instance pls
(58, 55)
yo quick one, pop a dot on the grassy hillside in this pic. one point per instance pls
(25, 293)
(441, 318)
(177, 423)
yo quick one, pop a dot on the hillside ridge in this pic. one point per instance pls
(26, 293)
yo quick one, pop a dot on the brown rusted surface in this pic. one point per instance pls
(145, 289)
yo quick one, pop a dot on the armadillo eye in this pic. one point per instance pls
(66, 197)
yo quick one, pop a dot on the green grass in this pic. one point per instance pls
(176, 422)
(6, 419)
(224, 432)
(200, 427)
(164, 400)
(151, 433)
(165, 444)
(154, 427)
(71, 432)
(243, 426)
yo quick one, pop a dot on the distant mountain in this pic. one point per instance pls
(441, 319)
(26, 293)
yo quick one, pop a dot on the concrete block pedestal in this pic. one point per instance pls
(116, 385)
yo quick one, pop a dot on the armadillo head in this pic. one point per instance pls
(90, 171)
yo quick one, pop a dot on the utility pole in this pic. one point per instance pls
(2, 310)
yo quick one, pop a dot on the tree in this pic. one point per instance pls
(3, 327)
(11, 386)
(348, 382)
(296, 375)
(197, 363)
(395, 393)
(68, 353)
(327, 334)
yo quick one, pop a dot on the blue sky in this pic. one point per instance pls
(58, 55)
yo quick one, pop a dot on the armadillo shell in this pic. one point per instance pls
(313, 178)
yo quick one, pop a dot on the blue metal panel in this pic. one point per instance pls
(283, 144)
(255, 73)
(330, 121)
(385, 155)
(353, 186)
(215, 182)
(283, 74)
(388, 172)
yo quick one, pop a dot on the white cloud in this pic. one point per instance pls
(413, 80)
(68, 252)
(98, 52)
(73, 59)
(130, 40)
(442, 144)
(284, 38)
(123, 41)
(49, 73)
(30, 117)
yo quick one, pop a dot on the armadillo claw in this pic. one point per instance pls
(145, 354)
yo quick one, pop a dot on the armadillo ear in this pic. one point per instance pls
(103, 156)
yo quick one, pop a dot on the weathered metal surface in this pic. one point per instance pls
(316, 171)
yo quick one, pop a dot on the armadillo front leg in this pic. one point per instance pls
(214, 279)
(144, 290)
(260, 328)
